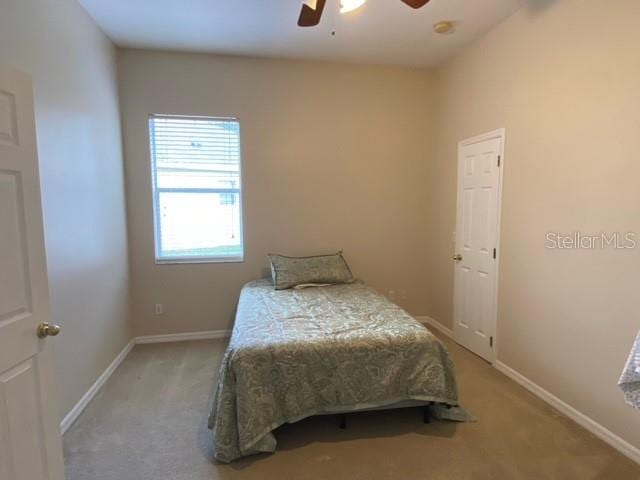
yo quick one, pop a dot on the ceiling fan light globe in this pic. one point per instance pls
(311, 3)
(347, 6)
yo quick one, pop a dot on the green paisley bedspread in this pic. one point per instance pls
(297, 353)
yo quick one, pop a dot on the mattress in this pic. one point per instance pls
(341, 348)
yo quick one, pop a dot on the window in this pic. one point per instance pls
(227, 199)
(196, 188)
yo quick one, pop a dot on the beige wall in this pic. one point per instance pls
(73, 68)
(563, 77)
(341, 157)
(334, 157)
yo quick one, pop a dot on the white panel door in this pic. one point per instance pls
(475, 293)
(30, 447)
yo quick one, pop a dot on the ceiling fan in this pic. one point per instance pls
(312, 9)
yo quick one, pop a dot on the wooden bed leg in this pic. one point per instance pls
(425, 415)
(343, 421)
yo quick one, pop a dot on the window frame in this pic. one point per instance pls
(155, 197)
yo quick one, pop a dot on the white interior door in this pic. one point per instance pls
(476, 249)
(30, 447)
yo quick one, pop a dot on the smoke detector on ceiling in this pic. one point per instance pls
(443, 28)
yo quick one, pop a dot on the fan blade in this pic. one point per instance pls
(416, 3)
(310, 17)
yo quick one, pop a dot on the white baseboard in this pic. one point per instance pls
(183, 337)
(432, 322)
(580, 418)
(75, 412)
(79, 407)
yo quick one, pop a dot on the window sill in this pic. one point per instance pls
(174, 261)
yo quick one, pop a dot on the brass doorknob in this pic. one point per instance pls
(457, 257)
(47, 329)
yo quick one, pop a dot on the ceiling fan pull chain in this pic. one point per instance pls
(333, 19)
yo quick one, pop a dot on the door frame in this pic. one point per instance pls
(500, 134)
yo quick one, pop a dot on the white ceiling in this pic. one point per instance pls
(380, 32)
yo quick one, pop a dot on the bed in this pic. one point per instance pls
(331, 349)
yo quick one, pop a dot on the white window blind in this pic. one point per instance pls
(196, 188)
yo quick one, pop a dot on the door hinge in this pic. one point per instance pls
(491, 342)
(494, 253)
(499, 158)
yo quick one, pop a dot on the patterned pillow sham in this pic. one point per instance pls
(288, 272)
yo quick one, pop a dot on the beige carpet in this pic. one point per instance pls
(149, 423)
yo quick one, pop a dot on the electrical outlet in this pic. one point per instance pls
(159, 309)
